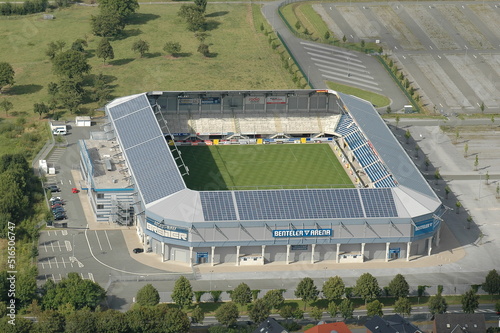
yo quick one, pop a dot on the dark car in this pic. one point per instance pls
(60, 217)
(138, 250)
(53, 188)
(57, 202)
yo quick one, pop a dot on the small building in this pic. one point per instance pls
(459, 323)
(48, 17)
(270, 325)
(83, 121)
(390, 324)
(322, 327)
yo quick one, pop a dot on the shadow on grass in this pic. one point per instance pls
(217, 14)
(129, 33)
(152, 55)
(183, 54)
(120, 62)
(211, 25)
(25, 89)
(142, 18)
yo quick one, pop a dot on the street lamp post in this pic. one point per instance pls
(73, 247)
(479, 194)
(211, 280)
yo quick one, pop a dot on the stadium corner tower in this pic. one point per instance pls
(134, 174)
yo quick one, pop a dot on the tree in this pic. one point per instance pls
(227, 314)
(203, 49)
(172, 48)
(447, 191)
(194, 17)
(466, 149)
(70, 94)
(198, 294)
(274, 298)
(81, 321)
(403, 306)
(101, 90)
(333, 288)
(482, 107)
(492, 120)
(492, 282)
(487, 178)
(316, 313)
(286, 312)
(398, 287)
(106, 25)
(298, 25)
(72, 290)
(397, 121)
(70, 64)
(327, 35)
(197, 316)
(260, 311)
(182, 294)
(437, 304)
(122, 8)
(362, 43)
(40, 108)
(242, 294)
(6, 75)
(201, 4)
(147, 296)
(79, 45)
(374, 309)
(215, 295)
(407, 136)
(470, 301)
(307, 291)
(367, 287)
(104, 50)
(437, 176)
(141, 47)
(332, 309)
(344, 39)
(172, 320)
(52, 49)
(6, 105)
(346, 308)
(497, 306)
(111, 321)
(458, 204)
(476, 162)
(388, 109)
(49, 321)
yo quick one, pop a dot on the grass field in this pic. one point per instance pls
(263, 167)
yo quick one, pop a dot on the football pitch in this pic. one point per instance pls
(252, 167)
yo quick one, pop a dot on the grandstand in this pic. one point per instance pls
(390, 213)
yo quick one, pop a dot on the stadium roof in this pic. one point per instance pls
(164, 192)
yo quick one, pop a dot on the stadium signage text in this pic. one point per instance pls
(168, 231)
(425, 227)
(303, 233)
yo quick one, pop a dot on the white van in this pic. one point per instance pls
(59, 131)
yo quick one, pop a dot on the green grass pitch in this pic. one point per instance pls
(251, 167)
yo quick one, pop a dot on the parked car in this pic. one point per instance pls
(138, 250)
(53, 188)
(57, 203)
(60, 217)
(57, 210)
(55, 199)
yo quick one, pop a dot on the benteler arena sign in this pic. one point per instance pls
(303, 233)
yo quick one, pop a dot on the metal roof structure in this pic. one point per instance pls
(164, 193)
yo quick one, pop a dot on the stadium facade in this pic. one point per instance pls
(134, 175)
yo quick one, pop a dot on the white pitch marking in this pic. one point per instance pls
(98, 241)
(108, 240)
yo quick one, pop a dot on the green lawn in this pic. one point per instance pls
(263, 166)
(376, 99)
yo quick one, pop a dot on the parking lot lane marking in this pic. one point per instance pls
(65, 232)
(41, 263)
(59, 246)
(82, 276)
(108, 240)
(91, 277)
(57, 264)
(53, 277)
(71, 262)
(52, 245)
(50, 265)
(68, 245)
(45, 246)
(98, 241)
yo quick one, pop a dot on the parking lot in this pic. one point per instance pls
(449, 50)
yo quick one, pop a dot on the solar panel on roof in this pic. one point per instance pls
(122, 109)
(298, 204)
(218, 206)
(138, 127)
(378, 202)
(154, 169)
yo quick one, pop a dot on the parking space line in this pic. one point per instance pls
(59, 246)
(108, 240)
(53, 277)
(67, 243)
(82, 276)
(71, 262)
(91, 277)
(65, 232)
(45, 246)
(64, 263)
(98, 241)
(50, 265)
(57, 264)
(41, 263)
(52, 244)
(48, 233)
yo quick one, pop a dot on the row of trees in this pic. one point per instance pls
(25, 8)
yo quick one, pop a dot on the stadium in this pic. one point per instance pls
(257, 177)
